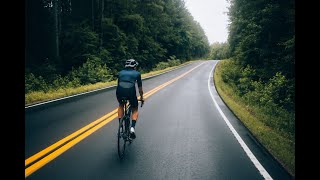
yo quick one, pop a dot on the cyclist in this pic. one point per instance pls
(126, 88)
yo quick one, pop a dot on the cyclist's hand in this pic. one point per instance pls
(142, 101)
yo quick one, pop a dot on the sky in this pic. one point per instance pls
(212, 16)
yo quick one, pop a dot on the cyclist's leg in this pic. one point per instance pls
(134, 107)
(120, 110)
(120, 93)
(135, 113)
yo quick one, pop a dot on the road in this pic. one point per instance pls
(184, 131)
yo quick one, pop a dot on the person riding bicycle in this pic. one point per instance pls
(126, 89)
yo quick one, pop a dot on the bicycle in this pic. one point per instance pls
(124, 128)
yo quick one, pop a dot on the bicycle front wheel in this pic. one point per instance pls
(122, 138)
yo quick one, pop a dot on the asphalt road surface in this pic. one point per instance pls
(184, 131)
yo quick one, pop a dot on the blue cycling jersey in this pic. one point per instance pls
(128, 77)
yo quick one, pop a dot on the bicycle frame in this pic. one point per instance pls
(127, 110)
(124, 132)
(127, 113)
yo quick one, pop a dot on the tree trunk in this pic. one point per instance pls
(92, 13)
(56, 29)
(101, 19)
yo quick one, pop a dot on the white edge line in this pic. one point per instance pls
(50, 101)
(254, 160)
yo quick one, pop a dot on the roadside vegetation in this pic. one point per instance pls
(256, 77)
(269, 122)
(38, 90)
(77, 46)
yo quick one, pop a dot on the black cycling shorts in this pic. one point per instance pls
(128, 93)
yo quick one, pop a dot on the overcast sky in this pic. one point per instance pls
(212, 16)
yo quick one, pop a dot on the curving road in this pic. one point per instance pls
(184, 131)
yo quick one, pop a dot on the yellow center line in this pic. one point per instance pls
(65, 147)
(79, 135)
(69, 137)
(62, 141)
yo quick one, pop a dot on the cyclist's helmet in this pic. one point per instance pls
(131, 63)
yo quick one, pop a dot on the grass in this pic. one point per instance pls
(40, 96)
(281, 147)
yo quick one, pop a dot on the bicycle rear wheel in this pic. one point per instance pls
(122, 138)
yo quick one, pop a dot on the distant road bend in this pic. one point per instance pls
(184, 131)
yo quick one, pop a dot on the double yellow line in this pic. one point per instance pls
(43, 157)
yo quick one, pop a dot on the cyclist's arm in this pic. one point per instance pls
(118, 78)
(141, 92)
(140, 86)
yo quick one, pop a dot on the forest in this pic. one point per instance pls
(262, 45)
(73, 43)
(258, 72)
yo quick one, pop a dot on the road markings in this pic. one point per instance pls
(66, 139)
(254, 160)
(82, 133)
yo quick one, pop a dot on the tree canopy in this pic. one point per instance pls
(64, 34)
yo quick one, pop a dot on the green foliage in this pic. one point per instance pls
(262, 43)
(79, 42)
(274, 97)
(132, 23)
(59, 82)
(113, 38)
(173, 61)
(277, 90)
(169, 63)
(245, 83)
(93, 71)
(231, 73)
(262, 35)
(219, 51)
(161, 65)
(148, 31)
(269, 122)
(33, 83)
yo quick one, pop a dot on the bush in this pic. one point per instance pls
(173, 61)
(33, 83)
(274, 97)
(161, 65)
(59, 82)
(92, 71)
(231, 73)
